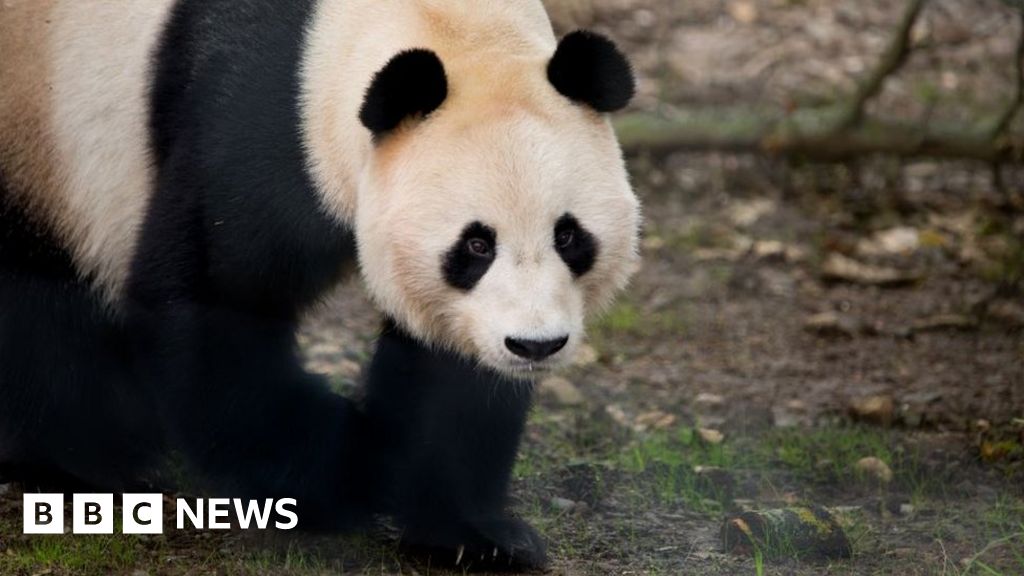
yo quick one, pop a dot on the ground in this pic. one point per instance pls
(789, 321)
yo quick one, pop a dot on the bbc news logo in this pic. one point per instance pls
(144, 514)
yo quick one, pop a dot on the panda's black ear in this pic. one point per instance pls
(589, 68)
(413, 83)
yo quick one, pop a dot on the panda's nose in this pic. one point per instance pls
(535, 349)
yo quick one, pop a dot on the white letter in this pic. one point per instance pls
(142, 514)
(93, 514)
(196, 518)
(253, 509)
(219, 509)
(43, 514)
(282, 511)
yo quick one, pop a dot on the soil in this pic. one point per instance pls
(742, 322)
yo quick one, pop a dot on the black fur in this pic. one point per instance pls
(201, 361)
(581, 252)
(413, 83)
(448, 432)
(589, 68)
(462, 268)
(70, 415)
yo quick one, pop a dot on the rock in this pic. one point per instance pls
(585, 356)
(875, 468)
(710, 436)
(349, 369)
(839, 268)
(769, 250)
(900, 241)
(744, 213)
(562, 391)
(562, 504)
(709, 400)
(879, 409)
(944, 322)
(655, 419)
(743, 11)
(831, 325)
(906, 509)
(618, 415)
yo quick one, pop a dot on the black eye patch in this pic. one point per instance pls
(577, 247)
(467, 261)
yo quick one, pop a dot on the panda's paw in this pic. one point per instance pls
(491, 544)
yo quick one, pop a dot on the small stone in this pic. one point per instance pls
(831, 325)
(562, 504)
(349, 369)
(769, 250)
(875, 468)
(706, 399)
(140, 573)
(945, 322)
(899, 241)
(710, 436)
(655, 419)
(839, 268)
(906, 509)
(618, 415)
(563, 391)
(746, 213)
(585, 356)
(879, 409)
(743, 11)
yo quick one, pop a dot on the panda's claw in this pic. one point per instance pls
(461, 551)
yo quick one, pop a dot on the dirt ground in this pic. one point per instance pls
(789, 321)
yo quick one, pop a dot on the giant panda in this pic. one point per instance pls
(182, 180)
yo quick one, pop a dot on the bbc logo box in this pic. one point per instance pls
(93, 514)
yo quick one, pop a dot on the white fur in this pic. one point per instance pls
(505, 149)
(100, 118)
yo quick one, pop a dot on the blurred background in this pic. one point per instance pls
(830, 311)
(819, 368)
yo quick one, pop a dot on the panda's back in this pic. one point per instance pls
(74, 139)
(95, 97)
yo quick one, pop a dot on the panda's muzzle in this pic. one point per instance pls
(535, 350)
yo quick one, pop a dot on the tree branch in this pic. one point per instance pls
(892, 60)
(1004, 122)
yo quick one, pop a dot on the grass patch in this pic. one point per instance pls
(78, 554)
(627, 322)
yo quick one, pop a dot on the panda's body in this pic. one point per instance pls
(181, 179)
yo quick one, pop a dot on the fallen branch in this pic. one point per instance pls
(811, 135)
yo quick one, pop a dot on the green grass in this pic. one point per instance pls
(80, 554)
(626, 321)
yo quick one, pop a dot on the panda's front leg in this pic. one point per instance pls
(446, 433)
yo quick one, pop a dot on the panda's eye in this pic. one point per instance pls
(479, 247)
(565, 238)
(575, 245)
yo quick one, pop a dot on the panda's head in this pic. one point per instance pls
(496, 212)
